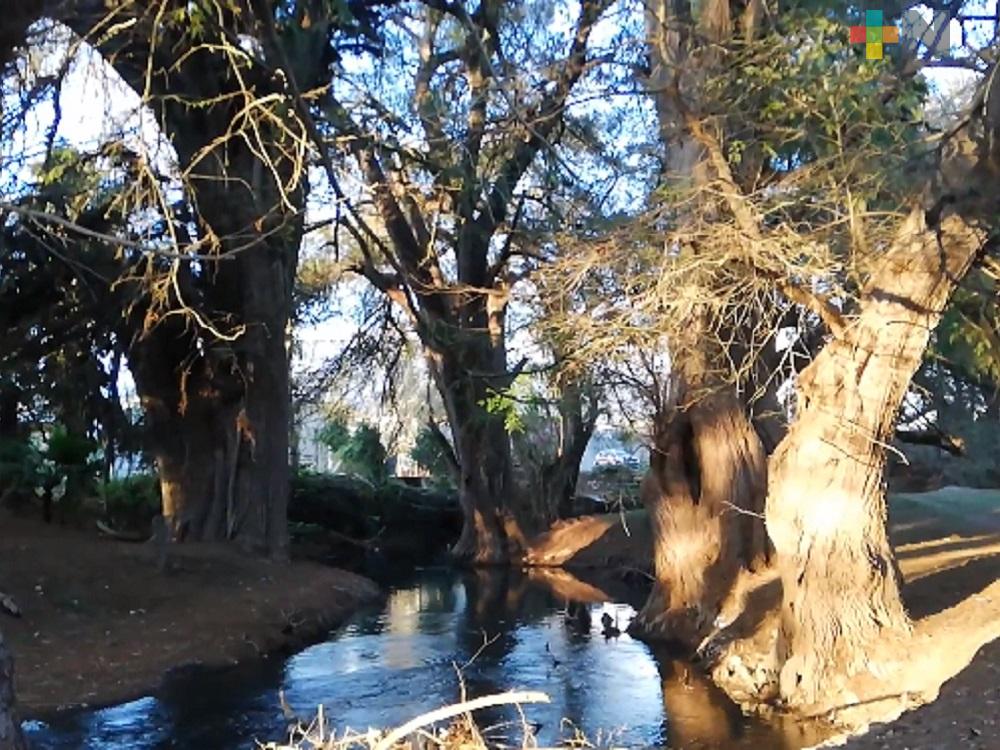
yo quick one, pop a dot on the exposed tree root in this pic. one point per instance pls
(897, 675)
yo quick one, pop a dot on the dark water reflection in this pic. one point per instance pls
(392, 662)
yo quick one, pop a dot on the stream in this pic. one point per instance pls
(499, 630)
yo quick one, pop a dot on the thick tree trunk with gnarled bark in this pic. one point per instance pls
(218, 422)
(826, 506)
(485, 483)
(842, 619)
(706, 483)
(222, 401)
(705, 494)
(10, 726)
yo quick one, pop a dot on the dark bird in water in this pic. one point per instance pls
(609, 626)
(555, 661)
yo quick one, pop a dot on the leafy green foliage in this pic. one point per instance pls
(502, 403)
(430, 454)
(131, 502)
(20, 471)
(63, 470)
(805, 96)
(335, 434)
(71, 465)
(67, 450)
(361, 452)
(360, 510)
(365, 454)
(60, 321)
(968, 336)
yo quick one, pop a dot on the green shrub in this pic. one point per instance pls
(21, 471)
(333, 502)
(360, 452)
(365, 455)
(430, 454)
(334, 434)
(66, 449)
(70, 465)
(130, 503)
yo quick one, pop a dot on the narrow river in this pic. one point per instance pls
(499, 631)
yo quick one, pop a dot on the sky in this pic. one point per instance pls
(95, 104)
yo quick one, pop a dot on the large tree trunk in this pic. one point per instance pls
(226, 397)
(469, 370)
(705, 487)
(482, 446)
(826, 510)
(191, 410)
(10, 726)
(704, 492)
(219, 428)
(263, 479)
(842, 616)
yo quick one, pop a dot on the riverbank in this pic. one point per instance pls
(947, 544)
(101, 625)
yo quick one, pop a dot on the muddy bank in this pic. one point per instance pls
(610, 540)
(100, 625)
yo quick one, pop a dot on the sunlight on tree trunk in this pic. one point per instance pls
(842, 616)
(705, 494)
(826, 509)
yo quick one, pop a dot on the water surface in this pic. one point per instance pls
(491, 631)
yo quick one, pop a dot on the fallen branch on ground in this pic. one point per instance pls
(457, 709)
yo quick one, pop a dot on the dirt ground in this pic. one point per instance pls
(966, 715)
(948, 545)
(100, 625)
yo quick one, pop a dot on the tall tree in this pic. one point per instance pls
(451, 184)
(807, 204)
(208, 309)
(12, 29)
(706, 484)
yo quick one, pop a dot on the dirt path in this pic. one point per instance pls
(100, 625)
(966, 715)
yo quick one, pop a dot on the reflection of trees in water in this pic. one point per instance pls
(494, 600)
(699, 715)
(246, 696)
(434, 592)
(438, 594)
(501, 600)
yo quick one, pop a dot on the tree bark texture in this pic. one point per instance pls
(826, 508)
(223, 452)
(467, 375)
(11, 737)
(704, 492)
